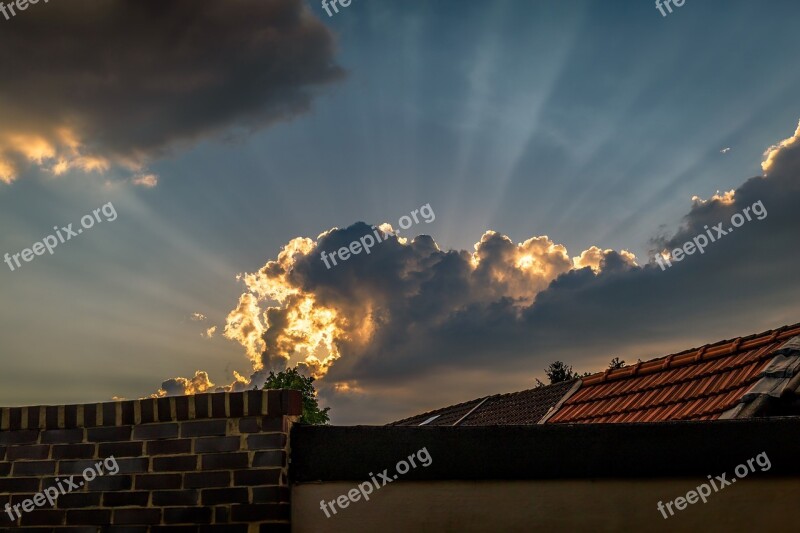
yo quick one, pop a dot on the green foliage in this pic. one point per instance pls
(558, 372)
(616, 363)
(291, 378)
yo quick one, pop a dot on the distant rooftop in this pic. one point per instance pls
(745, 377)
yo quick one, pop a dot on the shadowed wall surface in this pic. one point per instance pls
(212, 459)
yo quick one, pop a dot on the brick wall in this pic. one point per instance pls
(215, 462)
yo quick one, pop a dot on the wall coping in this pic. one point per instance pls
(272, 403)
(549, 451)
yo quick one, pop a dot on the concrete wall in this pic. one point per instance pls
(217, 459)
(559, 478)
(555, 505)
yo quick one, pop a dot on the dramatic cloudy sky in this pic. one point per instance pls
(557, 146)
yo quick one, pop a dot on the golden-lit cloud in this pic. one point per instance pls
(724, 198)
(145, 180)
(594, 257)
(773, 151)
(244, 326)
(295, 311)
(180, 386)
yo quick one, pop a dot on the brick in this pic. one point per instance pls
(249, 425)
(271, 495)
(207, 479)
(127, 412)
(204, 428)
(90, 415)
(25, 436)
(201, 406)
(5, 469)
(126, 529)
(70, 416)
(272, 423)
(33, 417)
(230, 495)
(158, 481)
(175, 463)
(253, 401)
(271, 458)
(269, 441)
(175, 529)
(163, 408)
(51, 416)
(136, 516)
(43, 517)
(216, 444)
(10, 484)
(265, 476)
(34, 468)
(62, 436)
(218, 406)
(89, 517)
(227, 528)
(216, 461)
(126, 499)
(275, 528)
(121, 449)
(36, 451)
(73, 451)
(260, 511)
(73, 500)
(106, 483)
(109, 410)
(187, 515)
(167, 430)
(76, 467)
(236, 404)
(169, 447)
(134, 465)
(291, 403)
(164, 498)
(108, 434)
(19, 498)
(3, 450)
(148, 412)
(181, 407)
(222, 514)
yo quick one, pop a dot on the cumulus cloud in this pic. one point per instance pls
(180, 386)
(166, 75)
(411, 326)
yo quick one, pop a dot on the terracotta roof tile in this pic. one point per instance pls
(697, 384)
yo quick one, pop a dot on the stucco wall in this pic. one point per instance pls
(752, 504)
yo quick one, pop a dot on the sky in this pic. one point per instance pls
(551, 150)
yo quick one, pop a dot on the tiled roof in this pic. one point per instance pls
(517, 408)
(697, 384)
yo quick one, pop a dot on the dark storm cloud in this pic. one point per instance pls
(123, 81)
